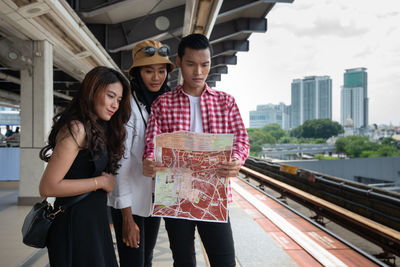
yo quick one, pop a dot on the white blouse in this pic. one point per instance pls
(132, 189)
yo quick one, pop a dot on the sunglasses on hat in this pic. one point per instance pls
(151, 50)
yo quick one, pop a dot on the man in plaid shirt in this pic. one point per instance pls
(195, 107)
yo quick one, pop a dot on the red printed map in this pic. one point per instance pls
(190, 188)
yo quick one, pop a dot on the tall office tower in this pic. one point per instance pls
(354, 97)
(311, 99)
(267, 114)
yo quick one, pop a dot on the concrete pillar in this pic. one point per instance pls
(36, 119)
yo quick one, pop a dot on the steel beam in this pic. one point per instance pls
(123, 36)
(234, 27)
(223, 60)
(231, 6)
(219, 70)
(228, 47)
(91, 8)
(214, 77)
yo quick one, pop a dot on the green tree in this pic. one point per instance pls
(389, 141)
(257, 139)
(275, 130)
(387, 151)
(356, 146)
(296, 132)
(321, 128)
(340, 144)
(287, 140)
(318, 141)
(362, 147)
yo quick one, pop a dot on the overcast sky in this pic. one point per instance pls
(322, 37)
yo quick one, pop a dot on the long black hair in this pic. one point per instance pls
(100, 135)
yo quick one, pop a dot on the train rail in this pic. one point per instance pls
(384, 236)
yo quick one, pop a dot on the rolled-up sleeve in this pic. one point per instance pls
(241, 145)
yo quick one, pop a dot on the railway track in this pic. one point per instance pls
(316, 192)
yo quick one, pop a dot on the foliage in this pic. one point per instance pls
(286, 140)
(310, 141)
(362, 147)
(341, 143)
(257, 138)
(323, 157)
(358, 145)
(275, 130)
(319, 128)
(390, 142)
(273, 133)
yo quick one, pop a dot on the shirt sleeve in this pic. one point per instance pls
(153, 129)
(241, 146)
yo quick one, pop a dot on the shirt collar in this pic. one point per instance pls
(207, 90)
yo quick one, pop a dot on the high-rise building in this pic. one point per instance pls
(354, 97)
(311, 99)
(267, 114)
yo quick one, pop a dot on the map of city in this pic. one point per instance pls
(190, 188)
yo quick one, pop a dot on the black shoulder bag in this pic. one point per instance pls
(38, 221)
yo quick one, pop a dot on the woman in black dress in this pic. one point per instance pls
(87, 143)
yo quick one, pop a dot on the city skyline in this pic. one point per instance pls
(318, 38)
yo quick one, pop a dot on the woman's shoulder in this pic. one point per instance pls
(74, 129)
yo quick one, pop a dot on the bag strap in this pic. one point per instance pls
(140, 110)
(62, 208)
(75, 200)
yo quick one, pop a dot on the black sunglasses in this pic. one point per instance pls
(150, 51)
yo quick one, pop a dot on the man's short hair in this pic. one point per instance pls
(194, 41)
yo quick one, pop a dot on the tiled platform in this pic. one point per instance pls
(254, 247)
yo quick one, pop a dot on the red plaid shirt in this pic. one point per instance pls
(219, 112)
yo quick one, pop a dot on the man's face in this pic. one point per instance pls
(195, 66)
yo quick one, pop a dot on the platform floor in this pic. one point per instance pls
(254, 247)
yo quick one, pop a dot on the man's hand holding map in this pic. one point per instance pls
(190, 188)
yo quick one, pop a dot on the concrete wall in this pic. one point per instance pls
(387, 168)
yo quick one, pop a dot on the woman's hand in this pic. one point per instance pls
(130, 230)
(106, 182)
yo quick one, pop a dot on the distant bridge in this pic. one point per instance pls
(279, 150)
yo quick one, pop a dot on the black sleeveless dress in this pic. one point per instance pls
(81, 236)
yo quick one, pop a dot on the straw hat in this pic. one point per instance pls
(141, 59)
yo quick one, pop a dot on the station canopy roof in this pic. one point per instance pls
(89, 33)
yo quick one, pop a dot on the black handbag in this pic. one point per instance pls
(39, 219)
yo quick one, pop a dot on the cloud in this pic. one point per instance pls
(325, 27)
(389, 14)
(322, 37)
(365, 52)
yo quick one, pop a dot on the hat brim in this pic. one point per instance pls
(156, 59)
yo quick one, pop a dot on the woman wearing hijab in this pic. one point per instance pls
(132, 199)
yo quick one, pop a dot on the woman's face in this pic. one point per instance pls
(153, 76)
(107, 101)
